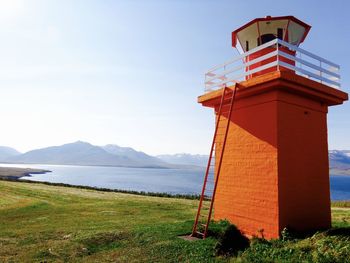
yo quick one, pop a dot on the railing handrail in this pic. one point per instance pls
(251, 62)
(245, 54)
(283, 54)
(214, 78)
(307, 53)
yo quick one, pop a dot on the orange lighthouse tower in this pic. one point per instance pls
(268, 166)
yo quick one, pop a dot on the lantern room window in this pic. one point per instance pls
(263, 30)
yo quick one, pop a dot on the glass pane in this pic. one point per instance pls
(269, 29)
(247, 37)
(295, 33)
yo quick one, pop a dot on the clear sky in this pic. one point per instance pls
(129, 72)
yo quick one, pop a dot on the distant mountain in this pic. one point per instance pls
(339, 159)
(185, 159)
(6, 152)
(140, 157)
(83, 153)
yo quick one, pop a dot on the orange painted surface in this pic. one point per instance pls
(275, 167)
(247, 192)
(304, 197)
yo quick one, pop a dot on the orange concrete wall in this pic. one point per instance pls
(275, 168)
(304, 198)
(247, 193)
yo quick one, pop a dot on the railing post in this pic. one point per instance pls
(278, 56)
(302, 66)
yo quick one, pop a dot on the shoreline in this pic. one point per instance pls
(15, 173)
(133, 192)
(170, 166)
(339, 172)
(336, 203)
(101, 189)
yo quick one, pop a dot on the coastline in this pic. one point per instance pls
(168, 166)
(15, 173)
(339, 172)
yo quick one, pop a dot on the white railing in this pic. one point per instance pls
(302, 63)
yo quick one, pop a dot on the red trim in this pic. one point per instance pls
(258, 26)
(234, 39)
(286, 37)
(268, 18)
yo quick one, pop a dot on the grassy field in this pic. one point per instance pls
(41, 223)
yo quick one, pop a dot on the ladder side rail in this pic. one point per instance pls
(208, 165)
(220, 161)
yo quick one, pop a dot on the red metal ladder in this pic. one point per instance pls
(206, 202)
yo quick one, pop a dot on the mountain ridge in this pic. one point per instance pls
(6, 152)
(84, 153)
(185, 159)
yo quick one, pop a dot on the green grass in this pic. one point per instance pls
(341, 204)
(41, 223)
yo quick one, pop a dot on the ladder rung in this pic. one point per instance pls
(205, 208)
(199, 233)
(226, 106)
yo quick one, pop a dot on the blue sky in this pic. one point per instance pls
(129, 72)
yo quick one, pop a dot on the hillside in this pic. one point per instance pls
(6, 152)
(185, 159)
(129, 152)
(339, 159)
(41, 223)
(83, 153)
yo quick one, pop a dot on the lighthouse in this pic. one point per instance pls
(268, 167)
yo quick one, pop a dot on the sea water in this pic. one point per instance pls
(173, 181)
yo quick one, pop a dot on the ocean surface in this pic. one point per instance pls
(173, 181)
